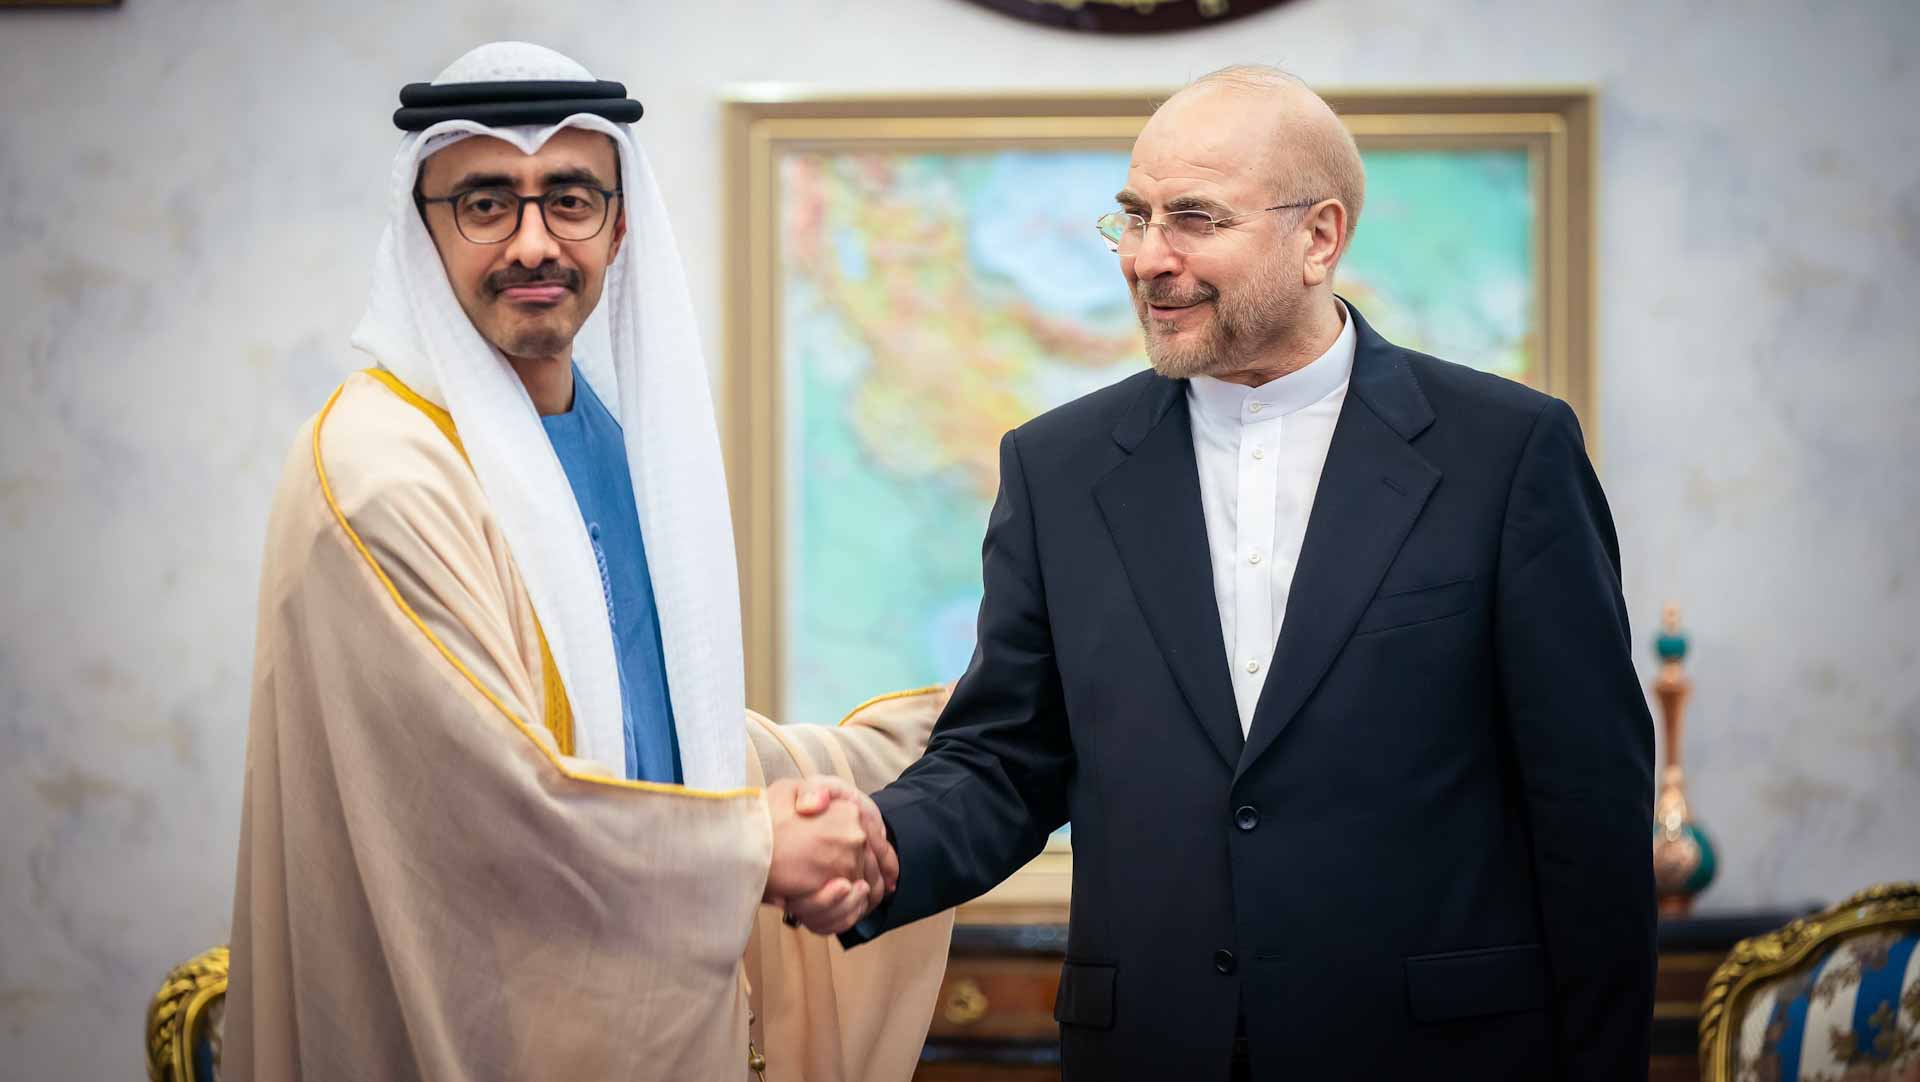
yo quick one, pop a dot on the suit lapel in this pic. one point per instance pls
(1372, 488)
(1151, 502)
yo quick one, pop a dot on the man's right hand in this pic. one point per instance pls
(815, 851)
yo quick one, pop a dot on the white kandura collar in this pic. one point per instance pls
(1277, 398)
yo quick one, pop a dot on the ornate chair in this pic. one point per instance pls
(183, 1022)
(1834, 997)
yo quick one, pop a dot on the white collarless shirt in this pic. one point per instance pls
(1260, 451)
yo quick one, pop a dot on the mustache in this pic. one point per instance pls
(1165, 295)
(545, 273)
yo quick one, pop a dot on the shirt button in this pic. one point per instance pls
(1223, 961)
(1259, 453)
(1253, 666)
(1253, 557)
(1255, 407)
(1247, 817)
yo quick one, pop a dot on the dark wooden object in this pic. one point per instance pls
(994, 1020)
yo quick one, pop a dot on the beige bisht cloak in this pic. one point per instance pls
(430, 887)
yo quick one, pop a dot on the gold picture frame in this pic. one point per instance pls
(1553, 127)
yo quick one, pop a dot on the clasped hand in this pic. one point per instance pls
(831, 860)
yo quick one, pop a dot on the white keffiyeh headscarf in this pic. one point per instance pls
(649, 370)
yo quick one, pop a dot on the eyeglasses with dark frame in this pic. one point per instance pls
(1186, 230)
(571, 212)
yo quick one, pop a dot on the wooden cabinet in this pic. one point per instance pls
(994, 1021)
(997, 998)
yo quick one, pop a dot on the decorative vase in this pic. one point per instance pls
(1683, 857)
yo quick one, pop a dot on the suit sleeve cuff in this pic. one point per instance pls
(871, 925)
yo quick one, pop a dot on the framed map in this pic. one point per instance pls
(913, 276)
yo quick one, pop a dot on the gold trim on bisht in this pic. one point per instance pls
(1763, 957)
(179, 1011)
(559, 716)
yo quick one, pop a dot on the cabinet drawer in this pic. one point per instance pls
(997, 998)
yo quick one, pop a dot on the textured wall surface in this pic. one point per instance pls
(191, 194)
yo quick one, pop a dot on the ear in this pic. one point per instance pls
(1326, 226)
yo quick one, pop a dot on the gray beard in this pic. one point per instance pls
(1204, 357)
(1255, 315)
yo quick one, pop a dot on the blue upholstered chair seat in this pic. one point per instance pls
(1851, 1016)
(1832, 998)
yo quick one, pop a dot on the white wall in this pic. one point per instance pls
(189, 197)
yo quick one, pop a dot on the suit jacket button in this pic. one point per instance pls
(1247, 817)
(1223, 961)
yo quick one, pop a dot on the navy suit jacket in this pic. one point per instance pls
(1429, 858)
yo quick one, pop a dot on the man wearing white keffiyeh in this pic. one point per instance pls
(506, 814)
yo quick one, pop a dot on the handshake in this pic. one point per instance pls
(832, 863)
